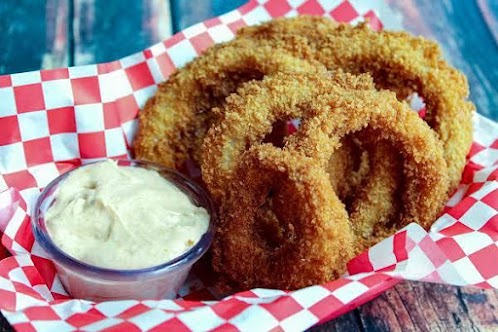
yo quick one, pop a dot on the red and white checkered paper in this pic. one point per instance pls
(54, 120)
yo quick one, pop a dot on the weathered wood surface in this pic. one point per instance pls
(187, 13)
(57, 33)
(33, 35)
(415, 306)
(104, 31)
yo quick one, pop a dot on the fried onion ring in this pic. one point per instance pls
(248, 116)
(317, 241)
(397, 61)
(174, 122)
(331, 106)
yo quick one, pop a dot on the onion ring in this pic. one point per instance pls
(331, 106)
(248, 116)
(317, 240)
(174, 122)
(397, 61)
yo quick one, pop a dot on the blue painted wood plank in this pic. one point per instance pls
(106, 31)
(186, 13)
(489, 12)
(21, 41)
(33, 35)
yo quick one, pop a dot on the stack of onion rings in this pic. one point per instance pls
(396, 61)
(331, 106)
(387, 166)
(173, 124)
(244, 124)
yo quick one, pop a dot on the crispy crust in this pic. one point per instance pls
(331, 106)
(397, 61)
(424, 168)
(317, 241)
(347, 168)
(248, 116)
(174, 122)
(231, 99)
(376, 201)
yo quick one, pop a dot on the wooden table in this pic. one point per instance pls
(57, 33)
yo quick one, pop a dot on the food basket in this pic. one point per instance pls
(52, 121)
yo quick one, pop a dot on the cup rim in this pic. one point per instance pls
(189, 187)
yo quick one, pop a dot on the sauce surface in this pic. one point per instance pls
(123, 217)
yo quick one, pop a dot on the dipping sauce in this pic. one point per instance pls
(121, 217)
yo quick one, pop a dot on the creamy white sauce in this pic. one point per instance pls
(123, 217)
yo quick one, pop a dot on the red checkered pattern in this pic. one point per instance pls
(55, 120)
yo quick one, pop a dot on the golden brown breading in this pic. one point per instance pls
(376, 202)
(357, 143)
(248, 117)
(316, 241)
(347, 168)
(397, 61)
(331, 106)
(174, 122)
(424, 168)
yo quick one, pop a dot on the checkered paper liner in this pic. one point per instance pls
(54, 120)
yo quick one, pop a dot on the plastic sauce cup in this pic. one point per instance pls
(85, 281)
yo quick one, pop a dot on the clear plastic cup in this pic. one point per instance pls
(85, 281)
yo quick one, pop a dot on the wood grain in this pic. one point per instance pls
(187, 13)
(56, 35)
(482, 306)
(33, 35)
(416, 306)
(347, 322)
(489, 13)
(119, 28)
